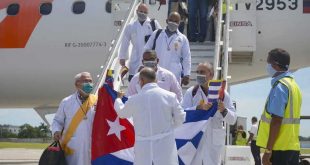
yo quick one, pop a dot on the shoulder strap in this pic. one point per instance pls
(195, 90)
(76, 120)
(153, 24)
(156, 36)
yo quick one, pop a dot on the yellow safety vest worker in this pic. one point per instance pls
(289, 131)
(240, 140)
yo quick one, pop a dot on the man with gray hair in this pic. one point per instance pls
(72, 124)
(213, 139)
(155, 112)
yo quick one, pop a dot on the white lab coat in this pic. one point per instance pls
(135, 34)
(155, 112)
(165, 79)
(213, 140)
(81, 140)
(172, 52)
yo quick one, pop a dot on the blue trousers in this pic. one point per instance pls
(197, 7)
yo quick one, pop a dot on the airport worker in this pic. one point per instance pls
(165, 79)
(254, 148)
(137, 33)
(172, 49)
(73, 121)
(155, 113)
(241, 136)
(213, 139)
(278, 130)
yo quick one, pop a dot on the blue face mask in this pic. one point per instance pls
(87, 87)
(271, 72)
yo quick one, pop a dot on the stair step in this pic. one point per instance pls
(198, 46)
(200, 52)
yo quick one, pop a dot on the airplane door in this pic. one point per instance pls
(120, 9)
(243, 25)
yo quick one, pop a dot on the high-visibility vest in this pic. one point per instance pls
(289, 131)
(241, 141)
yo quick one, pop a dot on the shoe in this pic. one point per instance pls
(192, 40)
(202, 39)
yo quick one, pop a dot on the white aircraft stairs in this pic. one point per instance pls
(200, 52)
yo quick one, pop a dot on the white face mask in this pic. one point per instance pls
(150, 64)
(270, 70)
(172, 26)
(201, 79)
(141, 16)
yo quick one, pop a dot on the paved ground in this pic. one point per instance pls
(19, 156)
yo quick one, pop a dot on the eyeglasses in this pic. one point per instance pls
(200, 72)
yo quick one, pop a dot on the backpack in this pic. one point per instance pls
(194, 92)
(153, 26)
(156, 36)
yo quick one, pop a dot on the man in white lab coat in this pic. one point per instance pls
(136, 33)
(213, 139)
(155, 112)
(165, 79)
(172, 48)
(73, 121)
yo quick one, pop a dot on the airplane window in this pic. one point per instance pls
(13, 9)
(46, 8)
(78, 7)
(108, 6)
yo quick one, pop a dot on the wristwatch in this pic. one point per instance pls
(268, 151)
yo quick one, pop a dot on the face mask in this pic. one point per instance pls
(87, 87)
(141, 16)
(150, 64)
(172, 26)
(201, 79)
(270, 70)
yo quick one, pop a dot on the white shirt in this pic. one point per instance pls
(155, 113)
(173, 52)
(165, 79)
(135, 34)
(154, 110)
(253, 130)
(81, 139)
(213, 139)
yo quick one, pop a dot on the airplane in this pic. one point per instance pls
(43, 44)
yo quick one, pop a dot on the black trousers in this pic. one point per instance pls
(256, 153)
(285, 157)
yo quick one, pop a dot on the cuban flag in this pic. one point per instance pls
(306, 6)
(216, 90)
(113, 138)
(188, 135)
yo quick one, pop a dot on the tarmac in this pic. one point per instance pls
(20, 156)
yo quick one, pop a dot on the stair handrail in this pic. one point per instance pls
(226, 41)
(218, 42)
(222, 54)
(112, 63)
